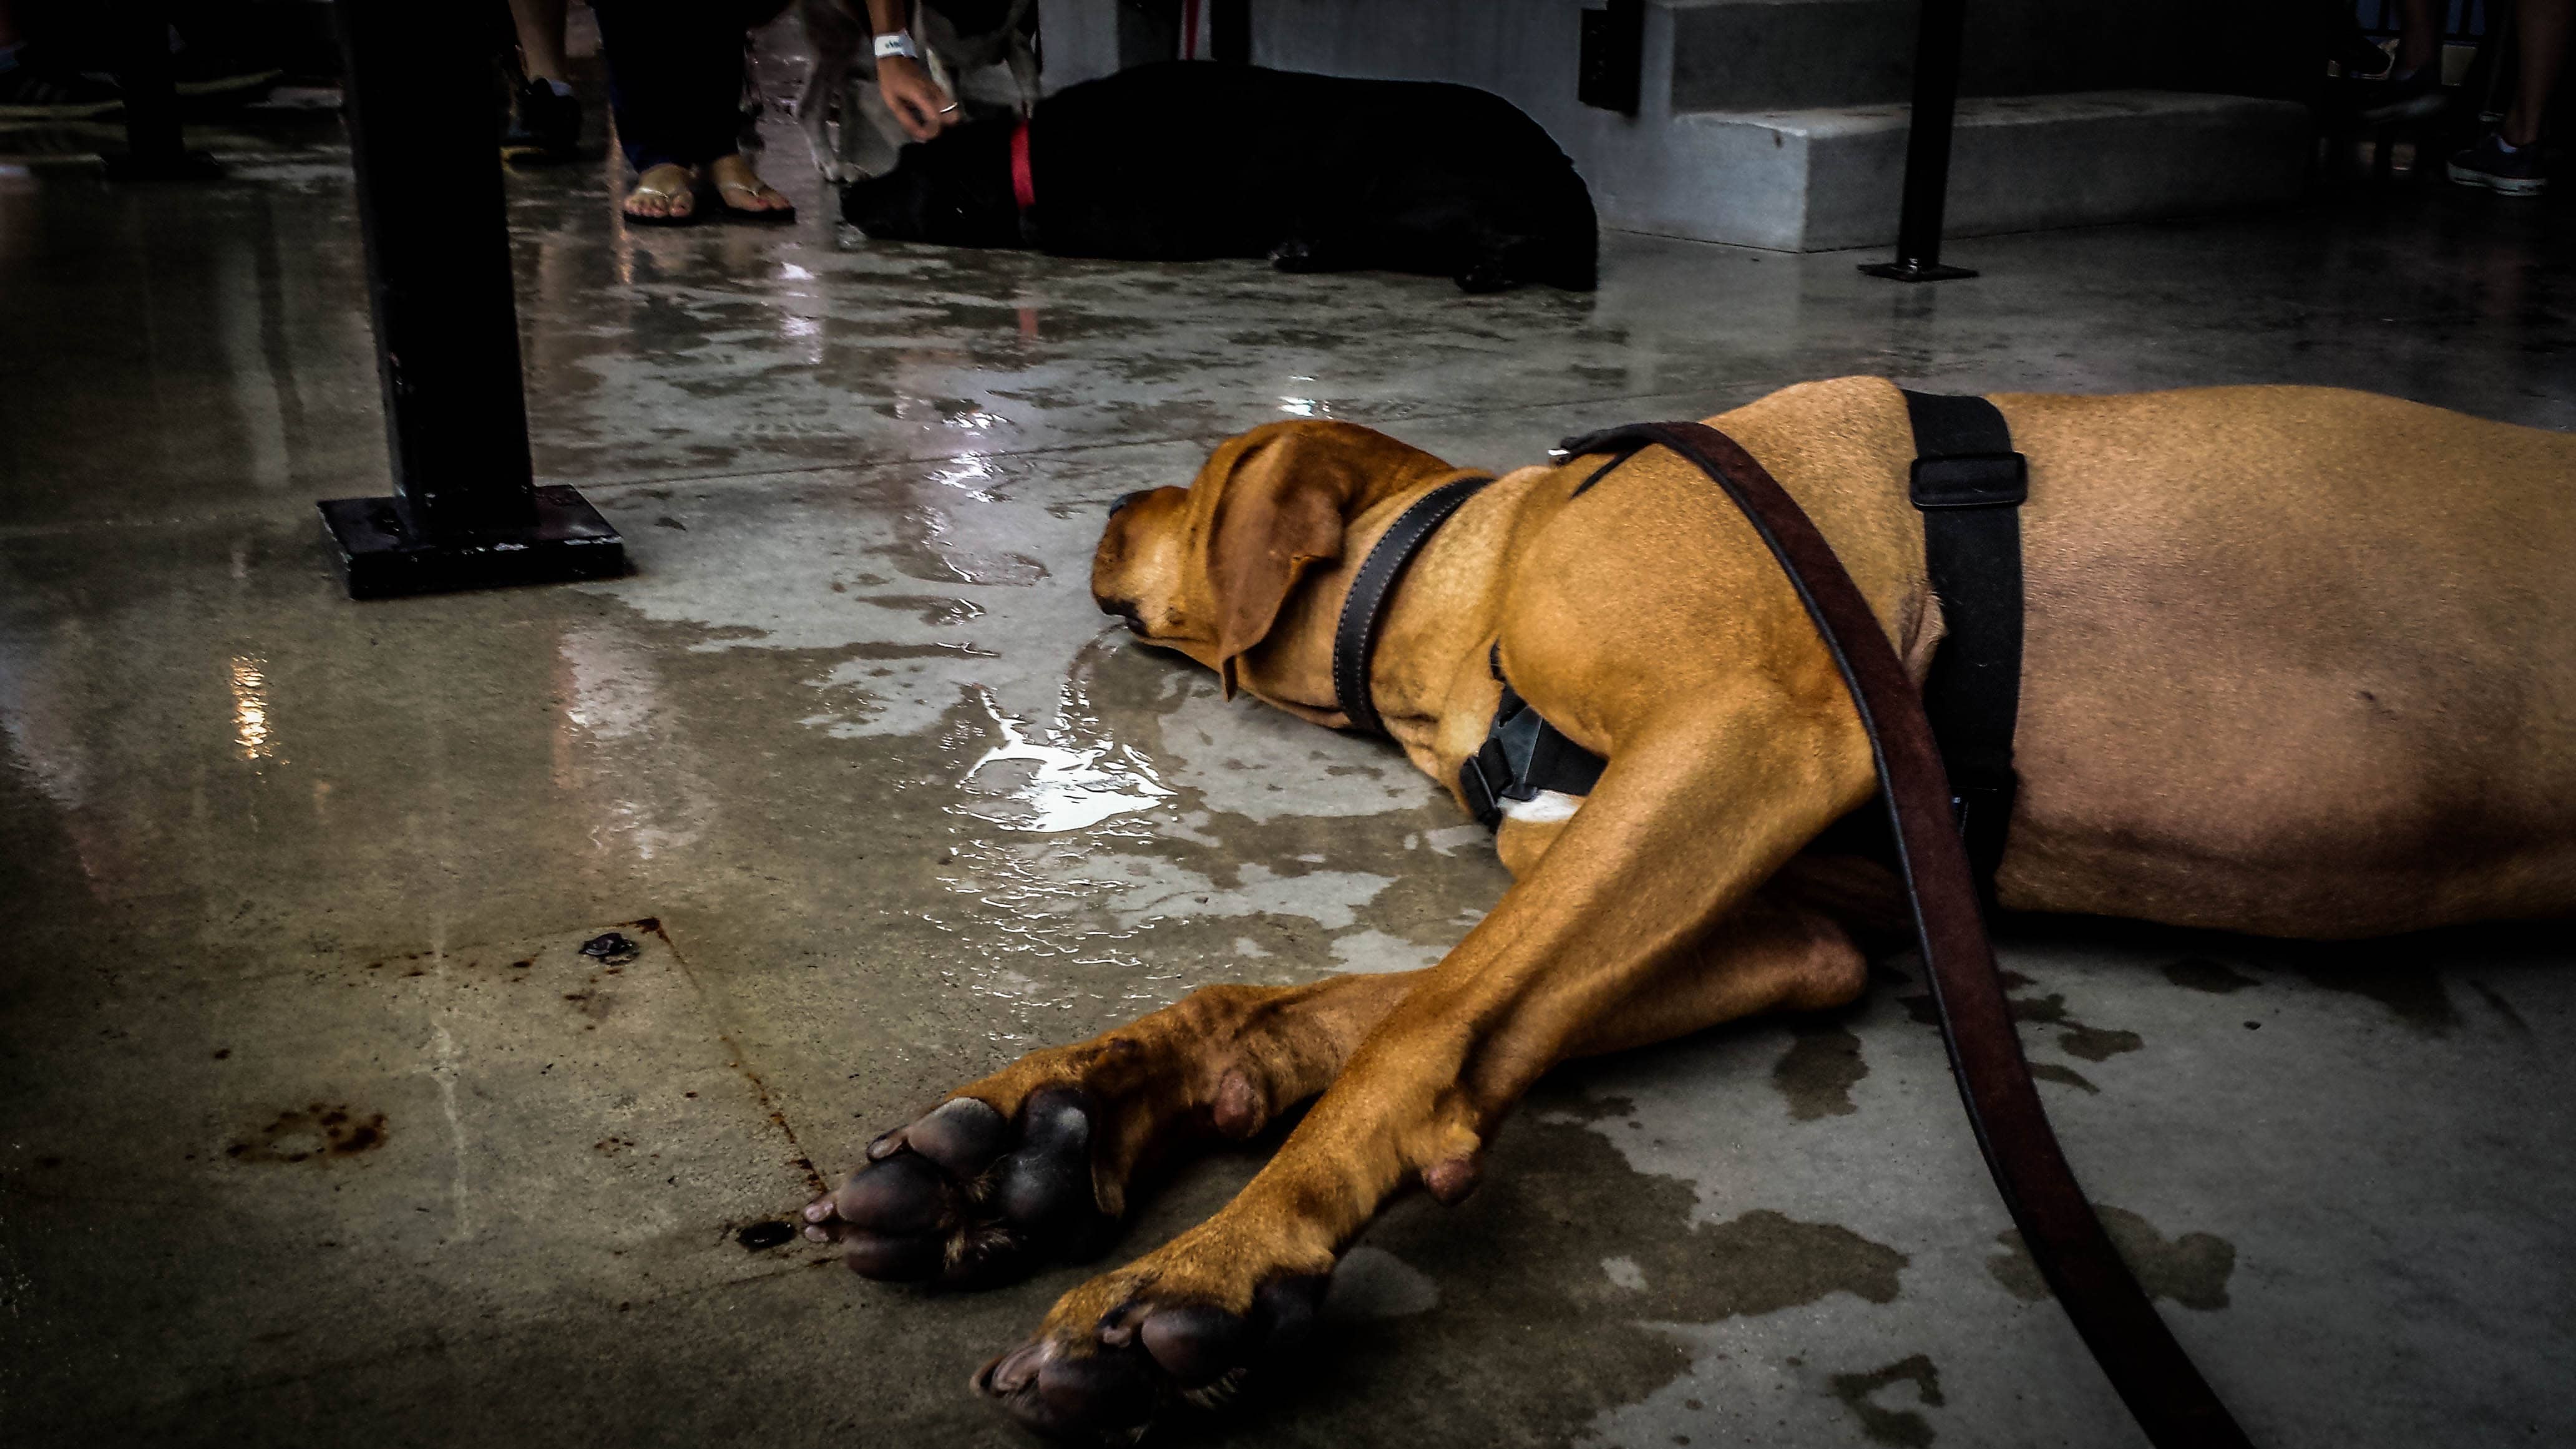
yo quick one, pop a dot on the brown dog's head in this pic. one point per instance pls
(1205, 569)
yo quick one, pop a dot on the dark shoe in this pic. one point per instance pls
(29, 92)
(543, 126)
(2410, 97)
(2518, 172)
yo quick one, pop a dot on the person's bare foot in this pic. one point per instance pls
(665, 195)
(740, 190)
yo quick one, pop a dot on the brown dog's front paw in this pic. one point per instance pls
(968, 1196)
(1109, 1387)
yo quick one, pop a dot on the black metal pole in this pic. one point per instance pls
(466, 511)
(1927, 148)
(153, 148)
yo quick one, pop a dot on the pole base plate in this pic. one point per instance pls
(1907, 271)
(383, 560)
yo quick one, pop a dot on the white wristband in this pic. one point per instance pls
(897, 42)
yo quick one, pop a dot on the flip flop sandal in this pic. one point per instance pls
(779, 217)
(688, 219)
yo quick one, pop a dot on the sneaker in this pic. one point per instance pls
(30, 93)
(2410, 97)
(544, 126)
(2517, 172)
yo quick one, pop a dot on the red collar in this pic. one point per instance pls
(1024, 190)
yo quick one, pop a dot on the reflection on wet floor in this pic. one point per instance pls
(1062, 789)
(906, 805)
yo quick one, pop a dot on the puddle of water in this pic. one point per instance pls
(1065, 787)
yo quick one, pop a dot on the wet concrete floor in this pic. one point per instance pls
(318, 1126)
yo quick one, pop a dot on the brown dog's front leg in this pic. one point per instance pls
(1685, 824)
(1034, 1162)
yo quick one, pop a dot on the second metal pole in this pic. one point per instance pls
(1927, 148)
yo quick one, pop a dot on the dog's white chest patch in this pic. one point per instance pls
(1550, 806)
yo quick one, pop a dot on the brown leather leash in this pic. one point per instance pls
(2118, 1322)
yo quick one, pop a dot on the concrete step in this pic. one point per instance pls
(1822, 178)
(1780, 123)
(1756, 55)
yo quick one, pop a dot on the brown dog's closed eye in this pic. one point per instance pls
(1206, 570)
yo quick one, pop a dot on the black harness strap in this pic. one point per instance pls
(1970, 484)
(2157, 1380)
(1522, 756)
(1364, 608)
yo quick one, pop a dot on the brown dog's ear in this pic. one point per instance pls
(1280, 504)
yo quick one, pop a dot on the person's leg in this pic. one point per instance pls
(658, 90)
(674, 81)
(2413, 89)
(739, 188)
(541, 39)
(2419, 35)
(2541, 30)
(545, 119)
(2509, 159)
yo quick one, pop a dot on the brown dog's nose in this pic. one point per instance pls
(1130, 498)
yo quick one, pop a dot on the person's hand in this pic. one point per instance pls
(918, 104)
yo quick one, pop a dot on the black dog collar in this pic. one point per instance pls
(1355, 637)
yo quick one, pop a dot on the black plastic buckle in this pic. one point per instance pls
(1478, 789)
(1971, 480)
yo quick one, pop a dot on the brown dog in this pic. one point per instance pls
(2297, 662)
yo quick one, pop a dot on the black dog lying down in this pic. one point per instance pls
(1191, 159)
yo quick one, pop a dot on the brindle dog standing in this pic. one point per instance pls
(2298, 662)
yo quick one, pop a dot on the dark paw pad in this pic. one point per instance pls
(965, 1195)
(1197, 1343)
(962, 1136)
(1043, 1190)
(900, 1195)
(1105, 1397)
(1147, 1357)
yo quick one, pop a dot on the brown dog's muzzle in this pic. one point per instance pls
(1114, 605)
(1125, 611)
